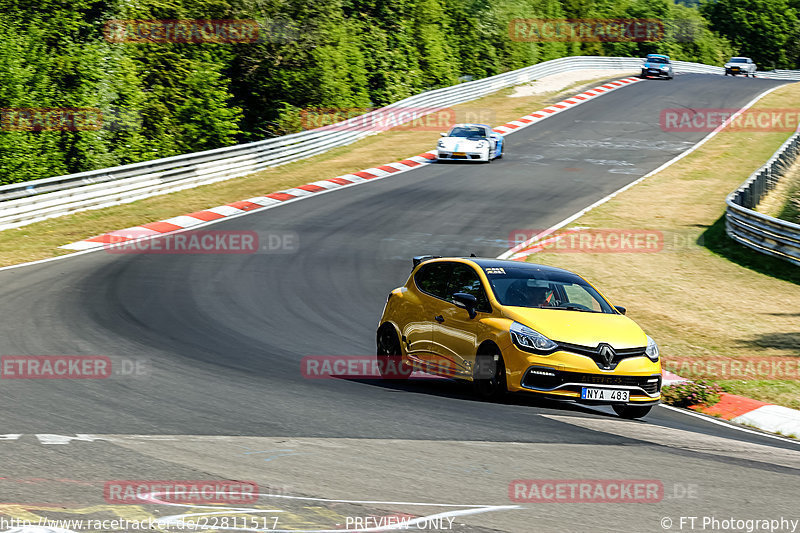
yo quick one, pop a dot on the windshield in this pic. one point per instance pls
(468, 131)
(739, 60)
(527, 287)
(657, 60)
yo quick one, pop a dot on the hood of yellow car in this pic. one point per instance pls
(576, 327)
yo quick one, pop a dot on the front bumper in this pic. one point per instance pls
(462, 156)
(565, 385)
(734, 71)
(561, 376)
(650, 72)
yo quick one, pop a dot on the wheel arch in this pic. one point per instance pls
(388, 324)
(488, 347)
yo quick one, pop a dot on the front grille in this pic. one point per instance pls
(597, 356)
(548, 378)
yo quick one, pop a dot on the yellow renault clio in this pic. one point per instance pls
(512, 326)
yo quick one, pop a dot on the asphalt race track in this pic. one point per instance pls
(221, 337)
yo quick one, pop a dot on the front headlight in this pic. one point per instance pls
(529, 340)
(652, 349)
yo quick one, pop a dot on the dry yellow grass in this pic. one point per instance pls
(42, 240)
(698, 300)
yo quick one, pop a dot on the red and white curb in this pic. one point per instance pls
(753, 413)
(207, 216)
(746, 411)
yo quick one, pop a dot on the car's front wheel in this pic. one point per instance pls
(632, 411)
(489, 375)
(390, 358)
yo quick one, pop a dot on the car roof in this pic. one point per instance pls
(485, 262)
(740, 57)
(658, 55)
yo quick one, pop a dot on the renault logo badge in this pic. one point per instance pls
(606, 353)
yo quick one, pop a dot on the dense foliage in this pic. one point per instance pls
(171, 98)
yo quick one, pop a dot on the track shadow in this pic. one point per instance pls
(717, 241)
(453, 389)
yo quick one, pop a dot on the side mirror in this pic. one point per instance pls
(442, 134)
(621, 309)
(466, 301)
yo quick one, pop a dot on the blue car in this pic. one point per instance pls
(657, 66)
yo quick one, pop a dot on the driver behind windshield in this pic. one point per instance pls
(523, 295)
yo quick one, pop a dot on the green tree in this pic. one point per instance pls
(766, 30)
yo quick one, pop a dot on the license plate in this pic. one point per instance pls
(612, 395)
(735, 69)
(462, 154)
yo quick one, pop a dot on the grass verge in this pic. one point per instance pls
(41, 240)
(701, 296)
(784, 200)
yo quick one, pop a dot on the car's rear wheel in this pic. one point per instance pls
(632, 411)
(489, 375)
(390, 358)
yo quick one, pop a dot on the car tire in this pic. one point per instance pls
(491, 388)
(389, 354)
(631, 411)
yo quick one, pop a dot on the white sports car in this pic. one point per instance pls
(473, 142)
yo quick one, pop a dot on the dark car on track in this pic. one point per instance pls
(658, 66)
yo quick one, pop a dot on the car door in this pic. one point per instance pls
(431, 281)
(456, 335)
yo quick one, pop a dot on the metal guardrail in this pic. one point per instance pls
(27, 202)
(765, 234)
